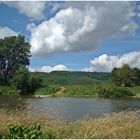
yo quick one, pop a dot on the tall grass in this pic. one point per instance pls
(117, 125)
(7, 90)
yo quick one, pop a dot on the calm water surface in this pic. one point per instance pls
(68, 108)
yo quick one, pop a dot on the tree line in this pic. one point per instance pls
(14, 59)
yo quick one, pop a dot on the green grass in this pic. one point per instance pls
(50, 89)
(86, 90)
(6, 90)
(135, 89)
(80, 90)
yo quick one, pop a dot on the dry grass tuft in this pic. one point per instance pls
(115, 126)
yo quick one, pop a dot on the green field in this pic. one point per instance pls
(82, 84)
(86, 90)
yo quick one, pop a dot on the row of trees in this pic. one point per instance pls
(126, 76)
(14, 57)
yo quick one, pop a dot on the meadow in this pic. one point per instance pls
(84, 90)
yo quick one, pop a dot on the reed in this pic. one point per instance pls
(120, 125)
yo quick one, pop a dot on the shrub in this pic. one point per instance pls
(114, 91)
(49, 89)
(35, 82)
(22, 132)
(26, 82)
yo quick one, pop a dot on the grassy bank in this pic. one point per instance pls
(7, 90)
(85, 90)
(115, 126)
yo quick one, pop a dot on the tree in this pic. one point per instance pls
(35, 82)
(125, 76)
(14, 53)
(137, 73)
(21, 81)
(26, 82)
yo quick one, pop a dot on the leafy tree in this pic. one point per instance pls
(21, 80)
(125, 76)
(137, 78)
(26, 82)
(14, 53)
(35, 82)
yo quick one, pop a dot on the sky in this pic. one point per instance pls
(75, 36)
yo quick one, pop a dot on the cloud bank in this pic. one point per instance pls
(49, 69)
(82, 27)
(32, 9)
(6, 32)
(105, 63)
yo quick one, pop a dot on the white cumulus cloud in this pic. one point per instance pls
(6, 32)
(78, 28)
(32, 9)
(105, 63)
(49, 69)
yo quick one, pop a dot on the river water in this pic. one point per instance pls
(67, 108)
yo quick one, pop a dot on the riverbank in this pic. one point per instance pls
(86, 90)
(89, 90)
(122, 125)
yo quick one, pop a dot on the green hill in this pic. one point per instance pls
(66, 78)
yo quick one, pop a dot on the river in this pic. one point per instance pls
(67, 108)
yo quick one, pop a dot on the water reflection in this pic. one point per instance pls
(67, 108)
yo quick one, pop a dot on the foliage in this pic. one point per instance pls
(21, 80)
(7, 90)
(14, 53)
(125, 76)
(120, 125)
(22, 132)
(137, 73)
(35, 82)
(80, 90)
(26, 82)
(49, 89)
(135, 89)
(114, 91)
(72, 78)
(86, 90)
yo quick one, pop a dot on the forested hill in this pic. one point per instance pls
(65, 77)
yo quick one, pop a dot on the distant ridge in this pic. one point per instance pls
(74, 77)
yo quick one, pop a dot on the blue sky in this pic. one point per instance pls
(78, 36)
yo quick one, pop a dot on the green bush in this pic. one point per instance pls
(21, 132)
(114, 91)
(26, 82)
(35, 82)
(49, 89)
